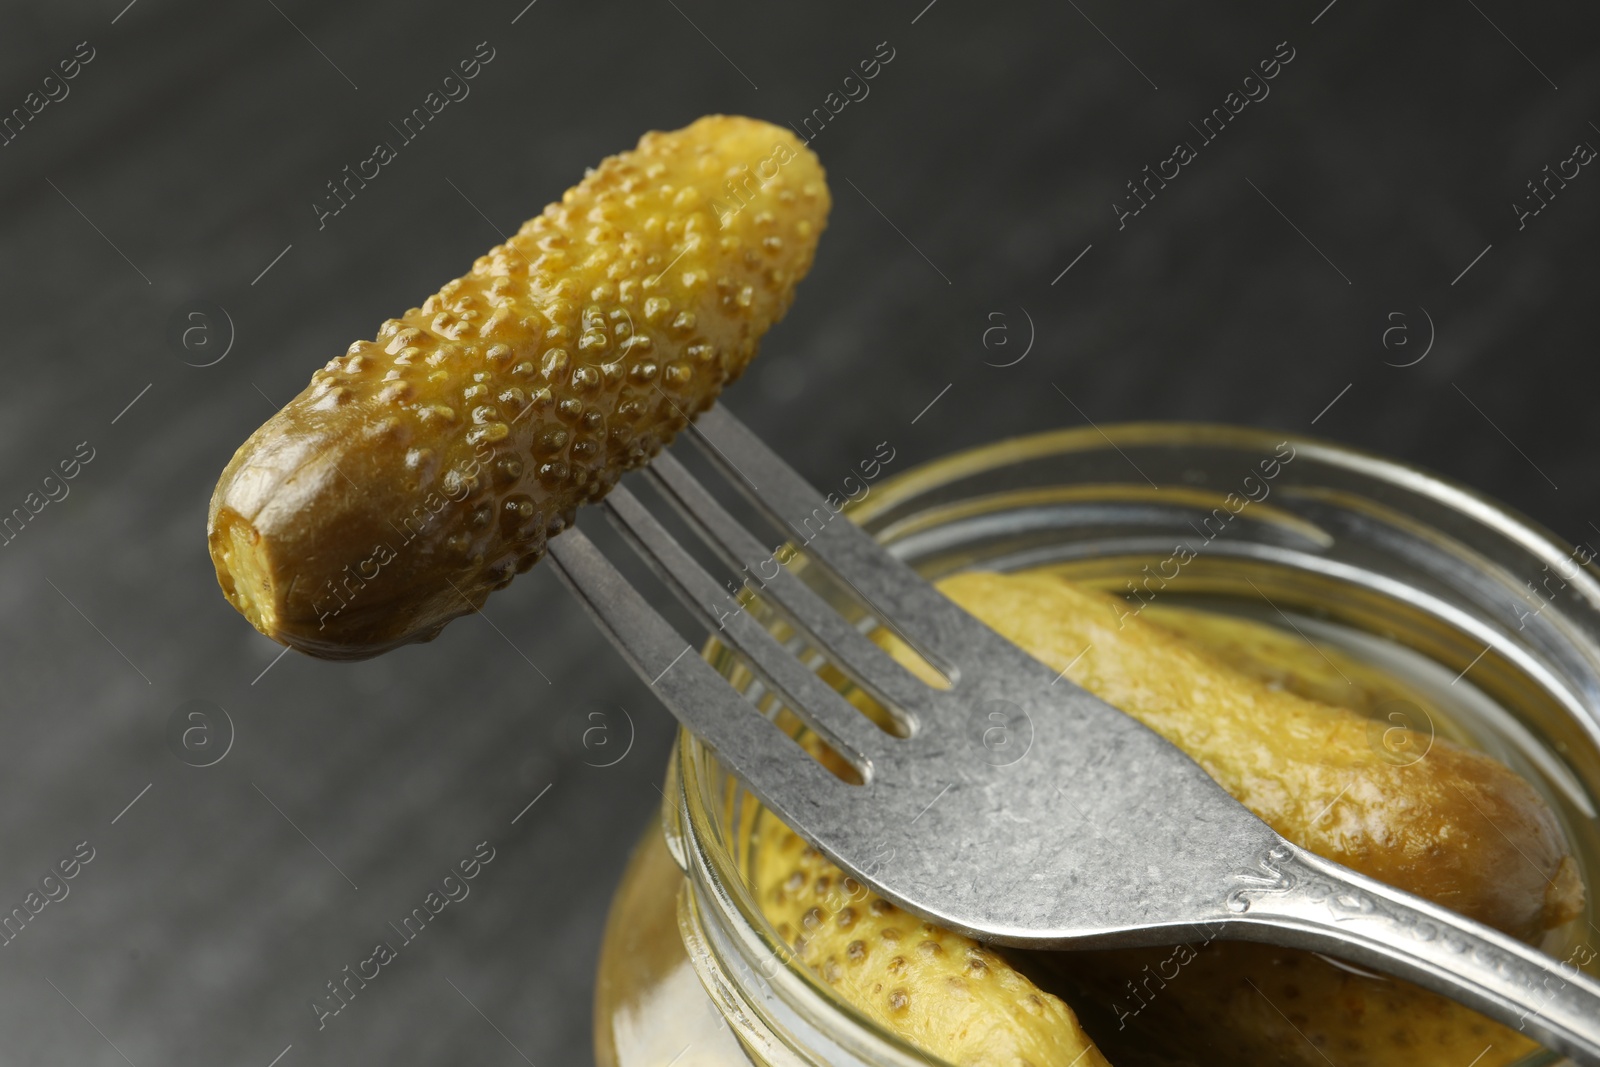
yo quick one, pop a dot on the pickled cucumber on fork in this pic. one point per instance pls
(425, 468)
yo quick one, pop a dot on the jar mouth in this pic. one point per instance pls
(1349, 541)
(1008, 451)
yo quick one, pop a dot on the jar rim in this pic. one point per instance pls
(970, 461)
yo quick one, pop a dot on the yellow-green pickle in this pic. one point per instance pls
(423, 469)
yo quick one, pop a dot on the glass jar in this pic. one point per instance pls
(1488, 614)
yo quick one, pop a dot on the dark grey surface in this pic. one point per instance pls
(187, 157)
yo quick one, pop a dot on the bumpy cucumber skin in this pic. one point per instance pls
(943, 992)
(424, 469)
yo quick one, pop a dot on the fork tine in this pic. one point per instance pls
(818, 704)
(919, 613)
(866, 664)
(770, 763)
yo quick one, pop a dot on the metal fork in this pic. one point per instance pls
(1103, 834)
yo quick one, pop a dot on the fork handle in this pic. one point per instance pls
(1329, 908)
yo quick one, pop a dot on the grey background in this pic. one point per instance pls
(187, 157)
